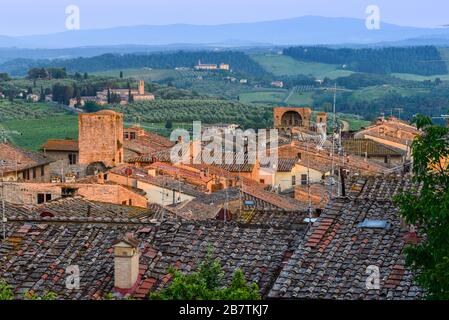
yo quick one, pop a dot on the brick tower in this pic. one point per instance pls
(141, 87)
(101, 137)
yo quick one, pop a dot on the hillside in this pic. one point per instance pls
(239, 62)
(307, 30)
(424, 60)
(282, 65)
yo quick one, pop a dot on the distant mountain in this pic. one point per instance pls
(307, 30)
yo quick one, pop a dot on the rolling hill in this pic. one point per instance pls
(310, 30)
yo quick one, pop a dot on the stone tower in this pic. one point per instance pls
(141, 87)
(101, 138)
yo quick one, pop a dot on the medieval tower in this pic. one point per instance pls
(101, 137)
(141, 87)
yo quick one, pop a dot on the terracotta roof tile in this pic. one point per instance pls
(331, 262)
(61, 145)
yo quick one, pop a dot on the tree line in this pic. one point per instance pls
(422, 60)
(432, 103)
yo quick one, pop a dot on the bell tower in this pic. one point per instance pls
(141, 87)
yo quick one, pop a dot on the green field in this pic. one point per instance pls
(301, 99)
(32, 133)
(355, 122)
(270, 97)
(144, 74)
(281, 65)
(416, 77)
(278, 97)
(377, 92)
(20, 109)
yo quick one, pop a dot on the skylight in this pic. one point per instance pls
(374, 224)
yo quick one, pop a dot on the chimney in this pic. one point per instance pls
(126, 263)
(152, 172)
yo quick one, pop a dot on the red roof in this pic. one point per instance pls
(61, 145)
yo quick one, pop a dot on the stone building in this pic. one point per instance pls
(106, 192)
(65, 153)
(137, 95)
(288, 118)
(101, 138)
(20, 165)
(391, 132)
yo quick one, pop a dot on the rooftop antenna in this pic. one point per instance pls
(331, 180)
(225, 211)
(4, 220)
(309, 209)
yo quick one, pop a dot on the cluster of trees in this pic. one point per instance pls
(63, 93)
(4, 76)
(206, 284)
(357, 81)
(205, 110)
(422, 60)
(47, 73)
(6, 293)
(434, 103)
(428, 208)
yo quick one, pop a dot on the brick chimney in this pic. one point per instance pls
(152, 172)
(126, 263)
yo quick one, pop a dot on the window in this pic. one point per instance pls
(42, 171)
(126, 135)
(34, 173)
(293, 180)
(47, 197)
(303, 179)
(26, 175)
(40, 198)
(130, 202)
(68, 192)
(72, 158)
(132, 135)
(299, 155)
(262, 181)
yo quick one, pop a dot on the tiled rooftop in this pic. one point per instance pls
(36, 253)
(61, 145)
(18, 159)
(79, 208)
(265, 200)
(166, 182)
(372, 148)
(332, 261)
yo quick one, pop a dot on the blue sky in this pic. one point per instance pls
(24, 17)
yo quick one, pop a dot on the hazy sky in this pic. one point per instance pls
(20, 17)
